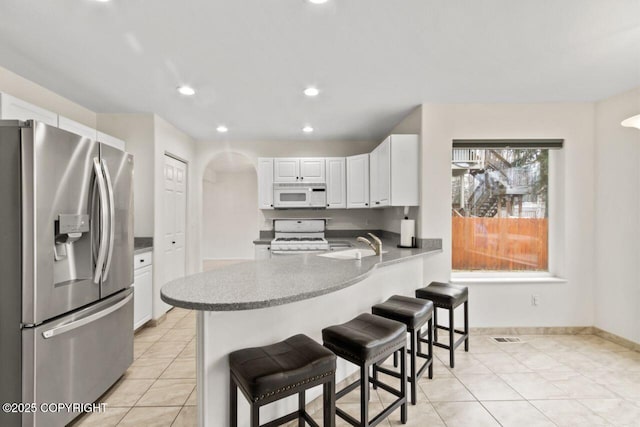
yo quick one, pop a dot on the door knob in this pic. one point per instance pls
(173, 243)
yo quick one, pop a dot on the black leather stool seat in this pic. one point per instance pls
(364, 338)
(265, 371)
(444, 294)
(413, 312)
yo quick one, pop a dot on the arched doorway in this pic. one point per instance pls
(230, 216)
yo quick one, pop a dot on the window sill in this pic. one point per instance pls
(471, 278)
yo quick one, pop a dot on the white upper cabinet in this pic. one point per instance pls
(111, 140)
(358, 181)
(77, 128)
(336, 183)
(286, 170)
(312, 170)
(394, 172)
(265, 183)
(299, 170)
(12, 108)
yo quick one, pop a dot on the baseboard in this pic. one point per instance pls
(159, 320)
(535, 330)
(616, 339)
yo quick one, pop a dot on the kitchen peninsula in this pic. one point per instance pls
(261, 302)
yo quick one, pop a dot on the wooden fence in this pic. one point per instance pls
(500, 244)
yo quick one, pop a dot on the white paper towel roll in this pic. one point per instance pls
(407, 232)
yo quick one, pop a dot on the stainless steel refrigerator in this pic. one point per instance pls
(66, 269)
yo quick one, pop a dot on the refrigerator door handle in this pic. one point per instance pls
(58, 330)
(112, 219)
(102, 190)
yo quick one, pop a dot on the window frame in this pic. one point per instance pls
(555, 215)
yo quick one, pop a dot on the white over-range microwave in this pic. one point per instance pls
(296, 195)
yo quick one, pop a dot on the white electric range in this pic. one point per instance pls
(294, 236)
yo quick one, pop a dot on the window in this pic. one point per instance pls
(500, 205)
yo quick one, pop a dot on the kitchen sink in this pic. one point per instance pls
(350, 254)
(339, 244)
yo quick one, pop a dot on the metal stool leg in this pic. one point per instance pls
(412, 374)
(255, 415)
(364, 396)
(451, 339)
(233, 403)
(329, 404)
(302, 402)
(466, 325)
(435, 324)
(430, 347)
(403, 386)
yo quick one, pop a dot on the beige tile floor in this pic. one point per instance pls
(548, 380)
(159, 388)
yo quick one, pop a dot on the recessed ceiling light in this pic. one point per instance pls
(311, 91)
(186, 90)
(222, 129)
(102, 1)
(318, 1)
(307, 129)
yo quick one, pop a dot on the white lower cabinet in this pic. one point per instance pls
(143, 289)
(262, 252)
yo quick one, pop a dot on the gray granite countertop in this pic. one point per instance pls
(281, 280)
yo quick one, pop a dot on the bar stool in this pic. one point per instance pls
(448, 297)
(414, 313)
(270, 373)
(365, 341)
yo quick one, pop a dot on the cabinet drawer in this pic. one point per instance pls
(142, 260)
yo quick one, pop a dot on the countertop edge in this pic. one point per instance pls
(254, 305)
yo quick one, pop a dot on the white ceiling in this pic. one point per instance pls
(373, 60)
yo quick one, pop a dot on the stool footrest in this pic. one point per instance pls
(455, 344)
(385, 412)
(446, 328)
(290, 417)
(347, 389)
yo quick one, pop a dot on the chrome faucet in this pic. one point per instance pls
(376, 245)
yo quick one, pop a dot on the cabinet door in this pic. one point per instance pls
(405, 170)
(262, 252)
(265, 183)
(312, 170)
(286, 170)
(358, 181)
(12, 108)
(143, 295)
(374, 172)
(383, 187)
(336, 183)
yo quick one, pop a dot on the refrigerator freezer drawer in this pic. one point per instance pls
(75, 359)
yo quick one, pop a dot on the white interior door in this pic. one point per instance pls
(175, 214)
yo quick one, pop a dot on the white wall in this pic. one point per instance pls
(170, 140)
(572, 217)
(29, 91)
(230, 214)
(138, 132)
(617, 308)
